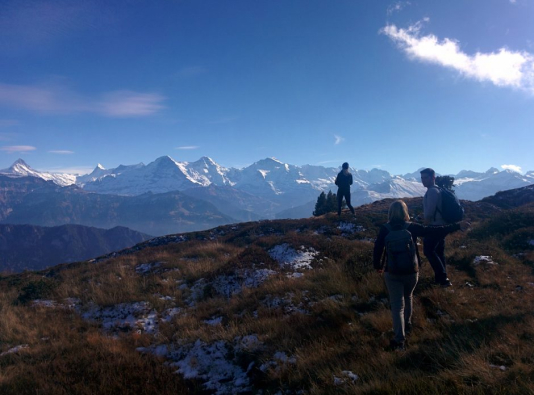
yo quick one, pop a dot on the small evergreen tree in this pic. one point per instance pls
(331, 202)
(445, 182)
(320, 206)
(325, 204)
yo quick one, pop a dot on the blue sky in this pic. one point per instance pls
(392, 84)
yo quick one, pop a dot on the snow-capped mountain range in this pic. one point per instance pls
(273, 181)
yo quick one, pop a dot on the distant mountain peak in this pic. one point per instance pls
(99, 166)
(20, 162)
(492, 170)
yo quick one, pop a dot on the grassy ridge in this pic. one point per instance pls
(477, 337)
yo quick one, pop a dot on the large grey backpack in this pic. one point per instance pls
(401, 250)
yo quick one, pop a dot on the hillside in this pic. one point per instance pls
(30, 247)
(276, 307)
(30, 200)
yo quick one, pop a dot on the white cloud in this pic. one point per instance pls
(17, 148)
(338, 140)
(187, 147)
(397, 7)
(512, 167)
(513, 1)
(323, 162)
(61, 152)
(130, 104)
(56, 99)
(503, 68)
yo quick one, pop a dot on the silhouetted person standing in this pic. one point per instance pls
(434, 246)
(344, 181)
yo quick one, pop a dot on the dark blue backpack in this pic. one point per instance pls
(451, 209)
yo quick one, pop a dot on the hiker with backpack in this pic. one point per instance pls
(395, 254)
(440, 207)
(344, 181)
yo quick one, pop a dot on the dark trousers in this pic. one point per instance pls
(340, 195)
(434, 249)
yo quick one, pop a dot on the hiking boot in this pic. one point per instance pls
(396, 346)
(446, 283)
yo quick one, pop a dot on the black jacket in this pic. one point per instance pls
(416, 230)
(344, 181)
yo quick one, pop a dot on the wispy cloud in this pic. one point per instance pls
(397, 7)
(61, 152)
(56, 99)
(130, 104)
(512, 167)
(338, 139)
(11, 149)
(513, 1)
(504, 68)
(188, 147)
(324, 162)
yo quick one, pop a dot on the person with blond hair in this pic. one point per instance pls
(397, 243)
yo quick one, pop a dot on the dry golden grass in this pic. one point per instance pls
(334, 318)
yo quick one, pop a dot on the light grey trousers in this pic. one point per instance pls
(400, 288)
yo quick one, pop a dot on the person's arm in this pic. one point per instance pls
(432, 197)
(337, 180)
(350, 179)
(438, 231)
(379, 248)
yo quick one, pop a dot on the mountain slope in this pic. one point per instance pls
(287, 306)
(29, 247)
(46, 204)
(22, 169)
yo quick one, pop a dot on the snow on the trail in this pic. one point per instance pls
(485, 259)
(280, 360)
(137, 315)
(229, 284)
(290, 258)
(349, 227)
(213, 364)
(14, 350)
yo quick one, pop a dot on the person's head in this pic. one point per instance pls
(345, 167)
(398, 211)
(428, 177)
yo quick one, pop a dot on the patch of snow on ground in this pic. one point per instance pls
(295, 275)
(280, 360)
(169, 313)
(349, 227)
(531, 242)
(289, 257)
(214, 321)
(345, 376)
(486, 259)
(249, 343)
(146, 268)
(15, 349)
(212, 364)
(124, 316)
(231, 284)
(68, 303)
